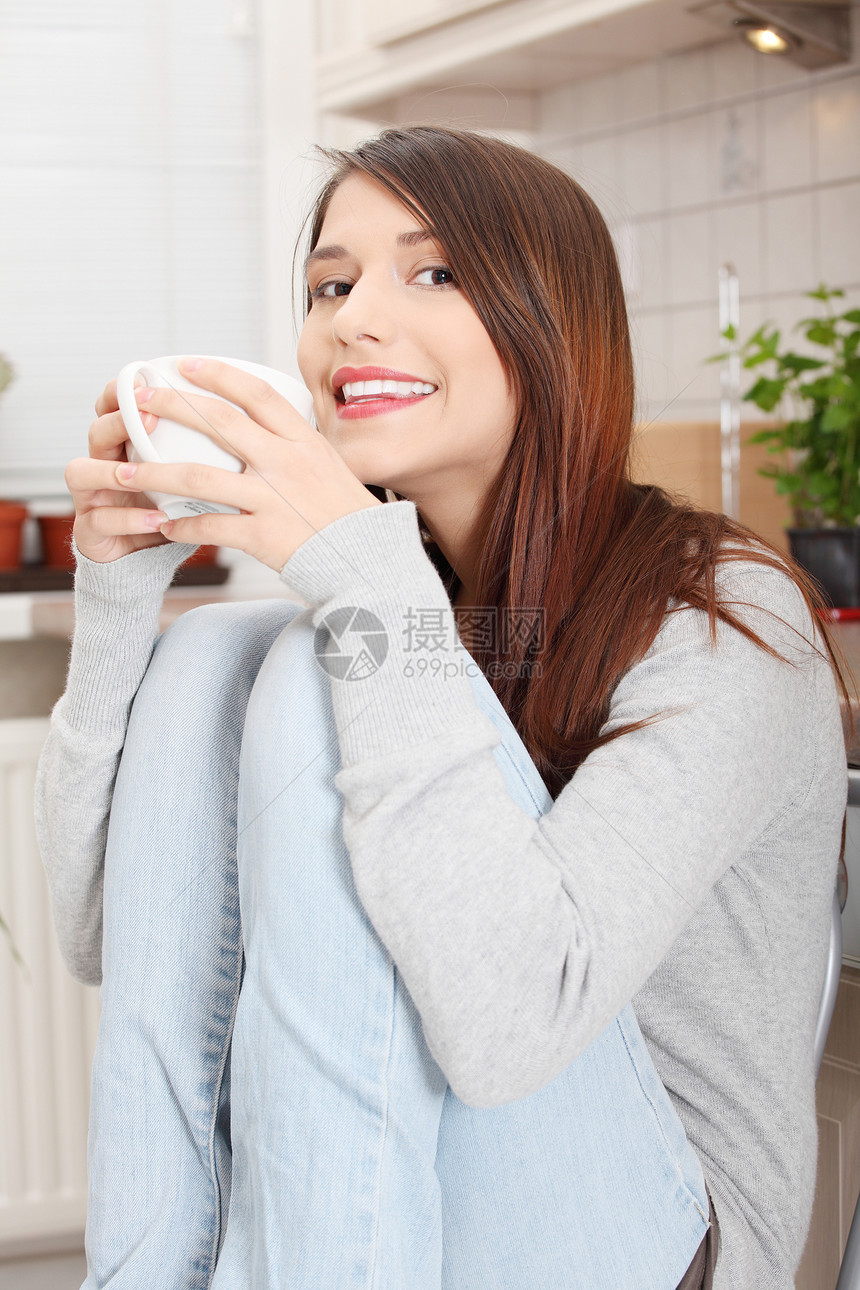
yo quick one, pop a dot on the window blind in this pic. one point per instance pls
(130, 206)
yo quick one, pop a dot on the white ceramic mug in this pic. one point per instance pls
(171, 441)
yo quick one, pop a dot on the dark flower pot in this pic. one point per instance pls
(832, 556)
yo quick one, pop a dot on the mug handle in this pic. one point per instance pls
(135, 430)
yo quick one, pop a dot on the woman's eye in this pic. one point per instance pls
(331, 289)
(439, 277)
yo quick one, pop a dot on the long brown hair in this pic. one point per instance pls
(564, 530)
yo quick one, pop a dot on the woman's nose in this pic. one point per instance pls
(365, 314)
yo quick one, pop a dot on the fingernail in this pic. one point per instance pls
(126, 470)
(190, 364)
(144, 395)
(149, 419)
(154, 520)
(167, 528)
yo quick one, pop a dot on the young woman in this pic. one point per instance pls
(429, 958)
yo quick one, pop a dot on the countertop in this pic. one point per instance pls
(51, 614)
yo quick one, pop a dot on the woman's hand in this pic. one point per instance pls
(110, 519)
(294, 483)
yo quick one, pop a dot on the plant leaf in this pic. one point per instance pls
(837, 417)
(766, 394)
(824, 293)
(800, 363)
(821, 332)
(13, 947)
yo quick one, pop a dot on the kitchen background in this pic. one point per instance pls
(155, 163)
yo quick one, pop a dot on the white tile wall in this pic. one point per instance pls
(687, 266)
(836, 115)
(716, 154)
(733, 158)
(737, 240)
(642, 169)
(839, 212)
(638, 90)
(651, 349)
(789, 243)
(733, 69)
(688, 159)
(685, 79)
(786, 127)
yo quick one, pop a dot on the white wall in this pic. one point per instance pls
(291, 168)
(715, 154)
(144, 192)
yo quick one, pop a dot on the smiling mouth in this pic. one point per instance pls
(353, 393)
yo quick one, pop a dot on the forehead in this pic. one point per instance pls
(360, 205)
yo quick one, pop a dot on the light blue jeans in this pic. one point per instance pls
(273, 1119)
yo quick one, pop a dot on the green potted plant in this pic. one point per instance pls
(818, 445)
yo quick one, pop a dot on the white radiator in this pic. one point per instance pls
(48, 1025)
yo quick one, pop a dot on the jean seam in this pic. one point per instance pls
(669, 1152)
(384, 1137)
(516, 767)
(213, 1166)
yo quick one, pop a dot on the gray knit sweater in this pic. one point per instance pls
(688, 866)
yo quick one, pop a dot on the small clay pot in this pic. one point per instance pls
(56, 534)
(12, 517)
(203, 555)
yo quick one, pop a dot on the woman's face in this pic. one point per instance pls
(406, 382)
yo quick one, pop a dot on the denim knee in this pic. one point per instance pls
(220, 623)
(209, 644)
(292, 678)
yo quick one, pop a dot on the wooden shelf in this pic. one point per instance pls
(39, 577)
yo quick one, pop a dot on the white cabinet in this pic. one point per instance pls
(373, 60)
(48, 1026)
(392, 19)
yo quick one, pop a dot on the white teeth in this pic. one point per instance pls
(392, 389)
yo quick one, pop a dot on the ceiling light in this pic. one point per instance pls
(766, 39)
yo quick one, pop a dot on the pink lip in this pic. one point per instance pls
(375, 407)
(346, 375)
(355, 411)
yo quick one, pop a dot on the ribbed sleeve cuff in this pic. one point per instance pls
(399, 673)
(116, 624)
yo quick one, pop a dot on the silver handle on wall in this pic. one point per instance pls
(730, 394)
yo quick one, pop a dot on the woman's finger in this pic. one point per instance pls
(108, 435)
(224, 424)
(107, 400)
(92, 474)
(190, 479)
(263, 404)
(116, 521)
(259, 400)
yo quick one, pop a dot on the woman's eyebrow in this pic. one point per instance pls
(335, 252)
